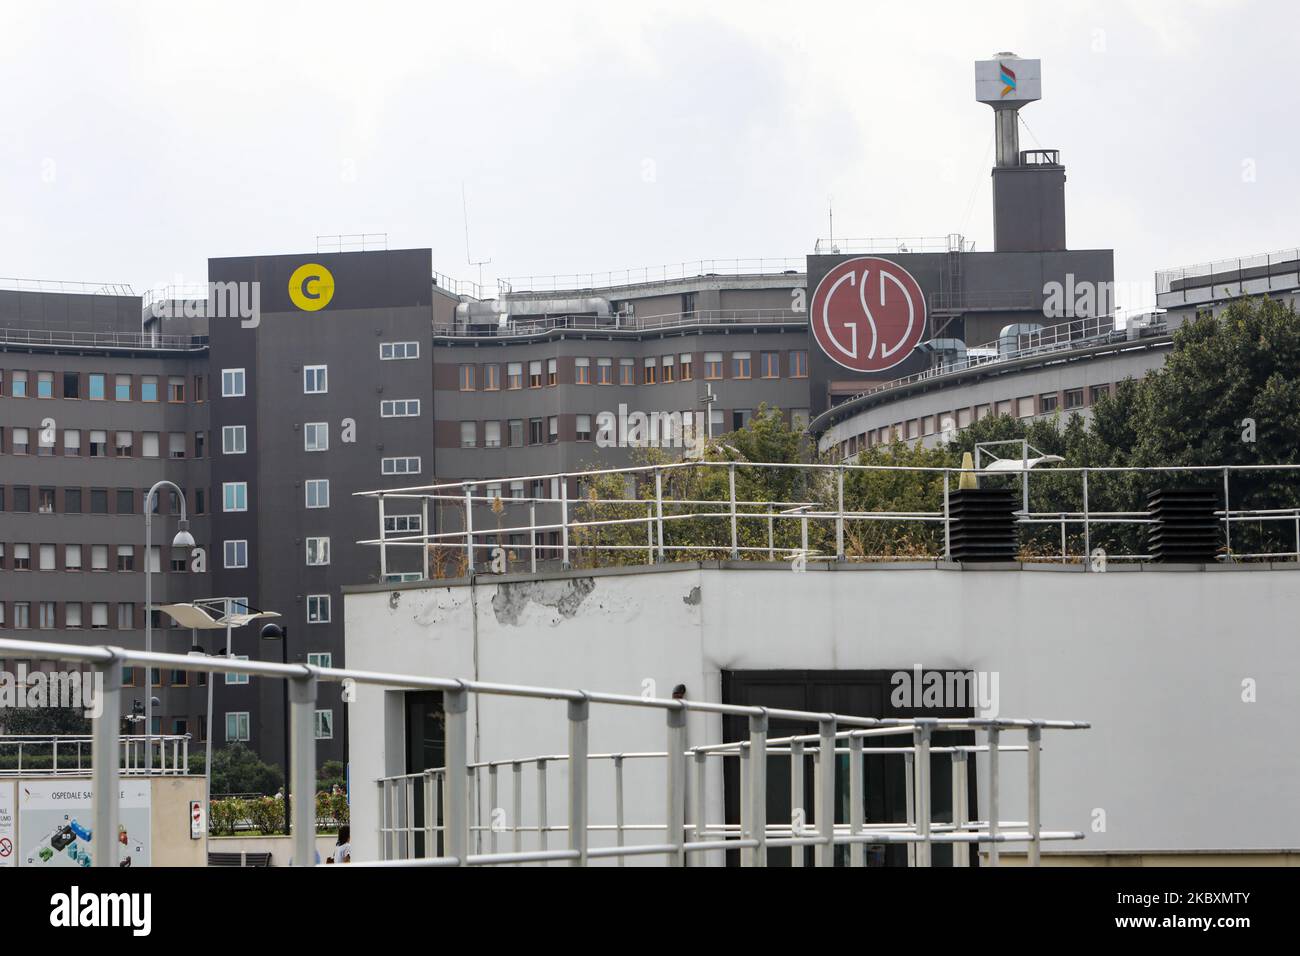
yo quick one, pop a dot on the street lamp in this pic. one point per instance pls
(183, 539)
(274, 632)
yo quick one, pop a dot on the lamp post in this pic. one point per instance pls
(274, 632)
(183, 539)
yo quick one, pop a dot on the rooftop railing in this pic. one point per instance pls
(54, 338)
(720, 510)
(69, 754)
(624, 322)
(651, 275)
(1261, 265)
(65, 286)
(953, 242)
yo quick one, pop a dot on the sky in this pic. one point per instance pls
(139, 139)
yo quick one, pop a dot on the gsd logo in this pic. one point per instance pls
(311, 287)
(868, 314)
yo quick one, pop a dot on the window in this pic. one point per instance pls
(1074, 398)
(514, 375)
(740, 417)
(799, 364)
(400, 466)
(236, 553)
(71, 442)
(125, 616)
(553, 429)
(180, 560)
(491, 378)
(469, 434)
(97, 386)
(320, 659)
(669, 366)
(535, 431)
(982, 412)
(316, 436)
(516, 489)
(491, 434)
(769, 365)
(148, 444)
(626, 371)
(712, 365)
(685, 359)
(534, 374)
(582, 424)
(232, 383)
(398, 350)
(516, 426)
(99, 616)
(149, 388)
(409, 524)
(176, 389)
(46, 557)
(1047, 403)
(318, 608)
(199, 395)
(234, 439)
(494, 490)
(99, 501)
(122, 388)
(582, 371)
(1025, 407)
(45, 501)
(122, 444)
(44, 384)
(175, 444)
(21, 444)
(1004, 408)
(740, 365)
(234, 496)
(22, 615)
(552, 378)
(315, 379)
(72, 614)
(650, 376)
(324, 725)
(400, 408)
(604, 371)
(799, 419)
(1097, 393)
(99, 557)
(126, 557)
(18, 387)
(71, 385)
(198, 444)
(237, 726)
(318, 551)
(318, 492)
(72, 557)
(45, 612)
(200, 501)
(467, 378)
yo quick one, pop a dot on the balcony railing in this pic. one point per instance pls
(651, 275)
(101, 340)
(521, 328)
(70, 754)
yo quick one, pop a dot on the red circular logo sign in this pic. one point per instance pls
(868, 314)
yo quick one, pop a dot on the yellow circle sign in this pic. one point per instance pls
(311, 287)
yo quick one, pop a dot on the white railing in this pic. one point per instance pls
(69, 287)
(69, 754)
(650, 275)
(953, 242)
(624, 322)
(506, 834)
(1259, 265)
(101, 340)
(481, 528)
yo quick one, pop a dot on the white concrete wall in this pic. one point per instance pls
(1155, 659)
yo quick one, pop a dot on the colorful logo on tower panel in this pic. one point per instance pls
(868, 314)
(1008, 78)
(311, 287)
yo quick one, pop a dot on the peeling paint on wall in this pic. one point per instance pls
(564, 597)
(439, 607)
(693, 598)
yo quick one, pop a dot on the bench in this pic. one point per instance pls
(239, 859)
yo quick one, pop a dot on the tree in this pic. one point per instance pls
(237, 769)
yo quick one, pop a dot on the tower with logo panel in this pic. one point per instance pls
(878, 313)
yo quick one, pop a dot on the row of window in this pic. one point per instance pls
(315, 378)
(50, 615)
(103, 557)
(237, 726)
(546, 431)
(99, 443)
(1027, 406)
(17, 383)
(95, 501)
(653, 371)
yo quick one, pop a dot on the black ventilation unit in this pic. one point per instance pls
(983, 524)
(1185, 529)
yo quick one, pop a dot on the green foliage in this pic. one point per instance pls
(44, 720)
(237, 769)
(332, 774)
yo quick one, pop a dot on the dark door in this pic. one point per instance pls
(424, 750)
(862, 694)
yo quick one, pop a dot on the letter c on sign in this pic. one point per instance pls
(311, 287)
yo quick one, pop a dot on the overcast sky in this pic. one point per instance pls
(138, 139)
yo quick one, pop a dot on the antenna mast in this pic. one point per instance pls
(464, 205)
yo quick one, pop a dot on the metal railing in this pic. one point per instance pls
(462, 287)
(623, 322)
(352, 242)
(953, 242)
(1261, 265)
(69, 754)
(101, 340)
(688, 834)
(816, 529)
(69, 287)
(651, 275)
